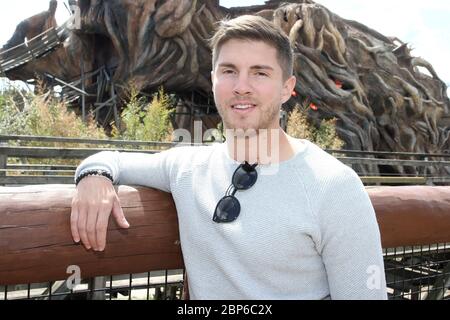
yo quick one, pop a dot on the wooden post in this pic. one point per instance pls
(114, 105)
(83, 97)
(101, 80)
(3, 160)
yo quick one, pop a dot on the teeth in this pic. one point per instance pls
(242, 106)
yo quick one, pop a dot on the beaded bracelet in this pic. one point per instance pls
(95, 172)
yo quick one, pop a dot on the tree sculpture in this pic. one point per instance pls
(31, 27)
(371, 83)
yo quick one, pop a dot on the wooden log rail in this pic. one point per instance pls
(36, 244)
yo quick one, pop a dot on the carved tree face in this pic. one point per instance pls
(248, 73)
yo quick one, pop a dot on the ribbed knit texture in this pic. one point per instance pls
(307, 228)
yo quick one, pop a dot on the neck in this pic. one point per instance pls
(266, 146)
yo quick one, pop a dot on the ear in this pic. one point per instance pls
(288, 87)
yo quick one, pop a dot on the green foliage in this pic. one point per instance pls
(48, 117)
(40, 114)
(13, 118)
(146, 121)
(325, 136)
(25, 113)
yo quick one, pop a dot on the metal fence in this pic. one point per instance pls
(412, 273)
(418, 273)
(152, 285)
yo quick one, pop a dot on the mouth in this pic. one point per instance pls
(243, 108)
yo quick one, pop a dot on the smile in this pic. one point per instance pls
(243, 108)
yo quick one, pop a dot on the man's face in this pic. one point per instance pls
(248, 85)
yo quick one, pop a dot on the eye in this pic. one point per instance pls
(261, 74)
(228, 71)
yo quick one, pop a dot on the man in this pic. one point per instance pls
(294, 223)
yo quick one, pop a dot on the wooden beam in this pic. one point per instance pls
(412, 215)
(40, 167)
(63, 153)
(24, 180)
(403, 180)
(394, 162)
(65, 84)
(390, 154)
(36, 243)
(89, 141)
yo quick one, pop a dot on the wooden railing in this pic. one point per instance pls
(36, 243)
(35, 48)
(59, 174)
(62, 175)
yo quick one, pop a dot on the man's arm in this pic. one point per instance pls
(350, 240)
(95, 197)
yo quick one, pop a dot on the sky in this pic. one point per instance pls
(425, 25)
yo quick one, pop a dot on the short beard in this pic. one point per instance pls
(266, 122)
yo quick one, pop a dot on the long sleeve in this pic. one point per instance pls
(350, 240)
(151, 170)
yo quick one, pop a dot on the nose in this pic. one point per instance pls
(242, 85)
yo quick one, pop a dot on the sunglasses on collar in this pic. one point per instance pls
(228, 208)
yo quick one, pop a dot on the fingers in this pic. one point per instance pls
(94, 200)
(81, 225)
(102, 223)
(119, 216)
(91, 225)
(74, 223)
(102, 227)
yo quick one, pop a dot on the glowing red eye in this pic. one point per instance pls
(338, 84)
(313, 107)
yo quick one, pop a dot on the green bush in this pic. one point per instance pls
(48, 117)
(146, 121)
(13, 118)
(25, 113)
(325, 136)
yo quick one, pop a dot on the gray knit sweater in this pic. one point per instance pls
(307, 228)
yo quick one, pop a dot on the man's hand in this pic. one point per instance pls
(94, 200)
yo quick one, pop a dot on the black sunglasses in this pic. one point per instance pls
(228, 208)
